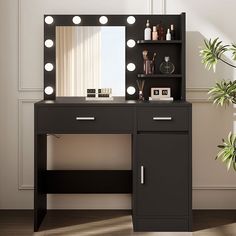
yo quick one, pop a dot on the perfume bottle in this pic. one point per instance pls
(167, 67)
(154, 33)
(147, 31)
(161, 34)
(172, 32)
(168, 35)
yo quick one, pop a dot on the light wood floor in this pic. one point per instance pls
(109, 223)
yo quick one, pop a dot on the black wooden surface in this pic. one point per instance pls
(88, 181)
(118, 101)
(40, 165)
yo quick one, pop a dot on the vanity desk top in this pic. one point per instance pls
(118, 101)
(76, 115)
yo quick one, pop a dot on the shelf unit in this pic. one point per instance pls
(175, 49)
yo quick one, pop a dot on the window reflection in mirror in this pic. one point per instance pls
(90, 57)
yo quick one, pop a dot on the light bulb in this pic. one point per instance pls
(103, 20)
(76, 20)
(131, 67)
(131, 20)
(131, 90)
(49, 20)
(48, 90)
(131, 43)
(48, 67)
(48, 43)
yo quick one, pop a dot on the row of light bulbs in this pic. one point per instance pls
(77, 20)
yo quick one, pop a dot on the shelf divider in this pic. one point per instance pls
(159, 41)
(159, 76)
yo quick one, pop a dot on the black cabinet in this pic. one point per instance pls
(162, 186)
(162, 170)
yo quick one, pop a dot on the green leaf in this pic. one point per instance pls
(220, 146)
(225, 157)
(223, 93)
(229, 163)
(227, 154)
(233, 49)
(212, 53)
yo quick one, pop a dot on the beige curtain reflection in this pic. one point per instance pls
(78, 60)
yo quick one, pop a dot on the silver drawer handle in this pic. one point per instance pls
(162, 118)
(142, 174)
(85, 118)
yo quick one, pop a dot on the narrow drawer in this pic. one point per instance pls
(84, 119)
(162, 119)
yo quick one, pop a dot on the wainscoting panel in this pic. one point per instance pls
(26, 144)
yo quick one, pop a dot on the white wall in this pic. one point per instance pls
(21, 78)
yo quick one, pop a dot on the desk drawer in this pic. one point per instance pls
(84, 119)
(162, 119)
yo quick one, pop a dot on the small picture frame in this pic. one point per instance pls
(160, 93)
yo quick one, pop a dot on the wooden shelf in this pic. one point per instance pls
(159, 76)
(159, 41)
(87, 181)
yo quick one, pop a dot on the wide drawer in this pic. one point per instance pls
(84, 119)
(163, 119)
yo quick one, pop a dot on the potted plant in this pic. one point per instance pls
(223, 93)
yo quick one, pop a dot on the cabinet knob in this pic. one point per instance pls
(162, 118)
(85, 118)
(142, 174)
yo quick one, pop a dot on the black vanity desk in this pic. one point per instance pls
(160, 179)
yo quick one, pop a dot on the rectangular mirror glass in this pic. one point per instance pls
(90, 57)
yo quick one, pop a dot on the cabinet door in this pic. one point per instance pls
(164, 160)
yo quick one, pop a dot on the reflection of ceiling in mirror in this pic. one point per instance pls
(90, 57)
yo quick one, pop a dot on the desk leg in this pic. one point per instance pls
(40, 165)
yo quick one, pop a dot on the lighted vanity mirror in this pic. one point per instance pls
(90, 57)
(91, 51)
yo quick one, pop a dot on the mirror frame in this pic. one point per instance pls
(132, 31)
